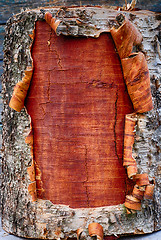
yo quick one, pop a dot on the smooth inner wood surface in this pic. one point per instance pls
(77, 102)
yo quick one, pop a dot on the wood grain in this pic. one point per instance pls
(77, 102)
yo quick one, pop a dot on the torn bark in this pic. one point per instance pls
(42, 219)
(125, 37)
(137, 79)
(20, 91)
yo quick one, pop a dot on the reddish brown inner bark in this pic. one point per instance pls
(77, 102)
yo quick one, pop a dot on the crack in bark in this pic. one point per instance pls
(86, 170)
(58, 58)
(48, 89)
(43, 110)
(15, 205)
(55, 50)
(115, 140)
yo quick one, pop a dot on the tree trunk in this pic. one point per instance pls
(77, 151)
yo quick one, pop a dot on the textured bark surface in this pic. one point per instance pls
(43, 219)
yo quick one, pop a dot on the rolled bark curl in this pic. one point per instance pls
(136, 75)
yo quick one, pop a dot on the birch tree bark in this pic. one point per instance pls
(43, 219)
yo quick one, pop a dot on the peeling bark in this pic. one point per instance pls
(115, 126)
(42, 219)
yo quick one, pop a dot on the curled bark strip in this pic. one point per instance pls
(137, 79)
(20, 91)
(31, 172)
(125, 37)
(48, 17)
(132, 171)
(130, 121)
(128, 161)
(79, 233)
(138, 192)
(129, 6)
(39, 183)
(149, 190)
(130, 211)
(95, 229)
(52, 21)
(142, 179)
(21, 88)
(32, 191)
(30, 139)
(132, 203)
(32, 36)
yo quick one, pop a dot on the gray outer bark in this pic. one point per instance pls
(42, 219)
